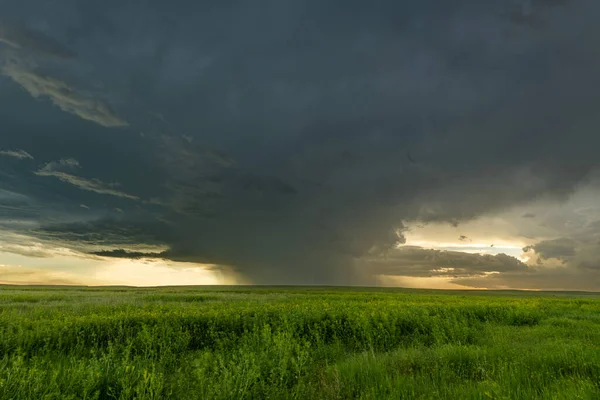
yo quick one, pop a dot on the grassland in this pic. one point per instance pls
(296, 343)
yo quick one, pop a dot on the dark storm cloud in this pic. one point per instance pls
(17, 210)
(419, 262)
(561, 249)
(295, 139)
(120, 253)
(105, 234)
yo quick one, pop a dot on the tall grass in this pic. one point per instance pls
(296, 343)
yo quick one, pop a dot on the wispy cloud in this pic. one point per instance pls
(63, 170)
(21, 154)
(63, 95)
(16, 275)
(22, 37)
(35, 251)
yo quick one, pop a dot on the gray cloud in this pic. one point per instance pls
(120, 253)
(20, 154)
(63, 95)
(562, 249)
(22, 37)
(415, 261)
(63, 170)
(282, 141)
(574, 251)
(107, 234)
(547, 279)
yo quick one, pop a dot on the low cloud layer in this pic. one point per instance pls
(299, 141)
(414, 261)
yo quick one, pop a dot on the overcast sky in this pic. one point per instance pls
(418, 143)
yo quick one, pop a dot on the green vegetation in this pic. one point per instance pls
(296, 343)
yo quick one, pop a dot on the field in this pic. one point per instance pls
(296, 343)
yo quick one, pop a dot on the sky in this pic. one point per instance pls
(421, 143)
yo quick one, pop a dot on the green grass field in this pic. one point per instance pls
(296, 343)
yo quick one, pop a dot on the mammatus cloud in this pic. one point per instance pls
(63, 95)
(63, 170)
(21, 154)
